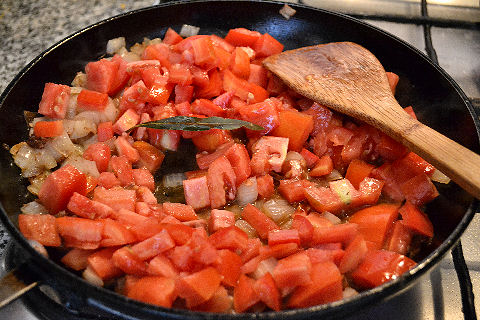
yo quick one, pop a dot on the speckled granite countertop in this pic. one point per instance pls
(28, 27)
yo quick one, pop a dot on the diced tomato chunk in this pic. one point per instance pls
(92, 100)
(392, 80)
(231, 238)
(108, 180)
(293, 271)
(269, 153)
(219, 302)
(354, 254)
(323, 199)
(228, 265)
(151, 157)
(86, 208)
(266, 45)
(262, 113)
(293, 190)
(244, 295)
(344, 233)
(221, 182)
(182, 212)
(295, 126)
(79, 232)
(162, 266)
(220, 219)
(104, 131)
(241, 37)
(198, 287)
(283, 236)
(101, 75)
(249, 92)
(155, 290)
(48, 129)
(59, 186)
(101, 262)
(265, 186)
(128, 262)
(117, 198)
(153, 246)
(416, 220)
(100, 153)
(268, 292)
(380, 266)
(357, 171)
(40, 227)
(54, 100)
(122, 169)
(304, 228)
(419, 190)
(171, 37)
(259, 221)
(128, 120)
(210, 140)
(76, 259)
(326, 286)
(400, 238)
(116, 234)
(323, 166)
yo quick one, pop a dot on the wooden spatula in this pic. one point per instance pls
(348, 78)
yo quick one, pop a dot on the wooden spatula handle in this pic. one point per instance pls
(457, 162)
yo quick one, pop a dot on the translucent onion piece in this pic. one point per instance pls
(265, 266)
(173, 180)
(349, 292)
(334, 175)
(278, 209)
(287, 12)
(247, 192)
(189, 30)
(36, 182)
(91, 277)
(331, 217)
(61, 147)
(439, 176)
(38, 247)
(86, 166)
(114, 45)
(245, 226)
(33, 208)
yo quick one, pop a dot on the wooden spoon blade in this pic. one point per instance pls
(348, 78)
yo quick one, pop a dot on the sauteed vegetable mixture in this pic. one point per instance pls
(313, 208)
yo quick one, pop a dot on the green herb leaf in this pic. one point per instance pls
(198, 124)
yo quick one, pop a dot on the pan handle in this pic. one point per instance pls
(13, 286)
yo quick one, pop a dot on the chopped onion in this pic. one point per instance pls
(71, 106)
(114, 45)
(265, 266)
(33, 161)
(334, 175)
(189, 30)
(129, 56)
(331, 217)
(278, 209)
(287, 12)
(33, 208)
(38, 247)
(245, 226)
(86, 166)
(36, 182)
(61, 147)
(349, 292)
(80, 80)
(92, 277)
(247, 192)
(173, 180)
(439, 176)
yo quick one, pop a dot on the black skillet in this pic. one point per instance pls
(437, 99)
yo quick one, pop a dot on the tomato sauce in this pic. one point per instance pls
(288, 217)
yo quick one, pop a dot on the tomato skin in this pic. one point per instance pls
(153, 246)
(266, 45)
(101, 75)
(231, 238)
(380, 266)
(171, 37)
(262, 113)
(40, 227)
(54, 100)
(60, 186)
(122, 169)
(323, 166)
(116, 234)
(86, 208)
(269, 154)
(182, 212)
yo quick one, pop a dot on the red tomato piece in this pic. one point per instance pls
(116, 234)
(400, 238)
(108, 180)
(159, 94)
(295, 126)
(309, 157)
(354, 254)
(244, 295)
(380, 266)
(121, 76)
(390, 149)
(323, 166)
(127, 120)
(92, 100)
(318, 255)
(159, 291)
(102, 264)
(213, 88)
(343, 233)
(220, 219)
(323, 199)
(265, 186)
(375, 222)
(104, 131)
(357, 171)
(128, 262)
(283, 236)
(41, 228)
(228, 265)
(196, 192)
(151, 157)
(370, 189)
(179, 74)
(262, 113)
(117, 198)
(221, 179)
(240, 63)
(79, 232)
(259, 221)
(347, 193)
(326, 286)
(48, 129)
(267, 291)
(162, 266)
(212, 139)
(258, 75)
(267, 45)
(249, 92)
(219, 302)
(101, 75)
(304, 228)
(152, 76)
(241, 37)
(419, 190)
(100, 153)
(198, 287)
(122, 169)
(293, 190)
(59, 186)
(293, 271)
(180, 233)
(153, 246)
(416, 220)
(269, 153)
(54, 101)
(180, 211)
(86, 208)
(183, 94)
(392, 80)
(171, 37)
(231, 238)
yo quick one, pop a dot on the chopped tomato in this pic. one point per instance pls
(323, 166)
(266, 45)
(259, 221)
(247, 91)
(293, 271)
(59, 186)
(116, 234)
(268, 292)
(210, 140)
(182, 212)
(128, 262)
(295, 126)
(244, 294)
(198, 287)
(400, 238)
(283, 236)
(304, 228)
(416, 220)
(101, 262)
(354, 254)
(265, 186)
(419, 190)
(48, 129)
(219, 302)
(171, 37)
(54, 100)
(79, 232)
(151, 157)
(262, 113)
(357, 171)
(343, 233)
(104, 131)
(39, 227)
(220, 219)
(392, 80)
(228, 265)
(100, 153)
(380, 266)
(117, 198)
(76, 259)
(92, 100)
(293, 190)
(122, 169)
(241, 37)
(221, 182)
(128, 120)
(323, 199)
(269, 153)
(375, 222)
(162, 266)
(101, 75)
(86, 208)
(155, 290)
(153, 246)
